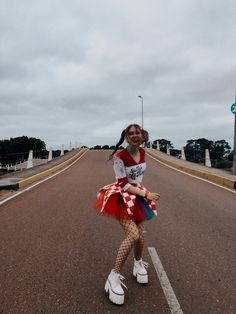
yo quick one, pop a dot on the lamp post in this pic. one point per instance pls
(142, 109)
(234, 154)
(233, 109)
(34, 149)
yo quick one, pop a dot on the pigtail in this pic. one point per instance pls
(122, 138)
(145, 137)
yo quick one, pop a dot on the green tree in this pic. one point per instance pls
(220, 149)
(162, 144)
(195, 149)
(219, 154)
(17, 149)
(105, 147)
(97, 147)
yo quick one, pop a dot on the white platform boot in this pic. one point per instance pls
(140, 272)
(114, 288)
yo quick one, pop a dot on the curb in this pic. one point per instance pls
(198, 173)
(10, 186)
(50, 171)
(23, 183)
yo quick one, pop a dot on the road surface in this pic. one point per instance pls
(56, 252)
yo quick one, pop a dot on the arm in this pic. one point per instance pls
(119, 169)
(136, 191)
(148, 195)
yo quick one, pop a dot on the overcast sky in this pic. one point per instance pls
(73, 70)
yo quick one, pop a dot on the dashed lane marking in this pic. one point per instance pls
(191, 175)
(165, 283)
(32, 186)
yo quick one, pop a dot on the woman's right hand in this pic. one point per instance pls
(153, 196)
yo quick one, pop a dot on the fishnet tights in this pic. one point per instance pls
(134, 238)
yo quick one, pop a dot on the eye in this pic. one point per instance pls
(131, 133)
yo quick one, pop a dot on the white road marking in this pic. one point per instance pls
(165, 283)
(191, 175)
(32, 186)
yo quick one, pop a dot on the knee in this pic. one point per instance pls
(136, 237)
(141, 239)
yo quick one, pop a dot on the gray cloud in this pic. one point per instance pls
(73, 71)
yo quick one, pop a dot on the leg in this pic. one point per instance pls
(114, 283)
(138, 246)
(139, 270)
(132, 236)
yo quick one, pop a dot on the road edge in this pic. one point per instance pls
(46, 173)
(198, 173)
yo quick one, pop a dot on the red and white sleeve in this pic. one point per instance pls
(120, 173)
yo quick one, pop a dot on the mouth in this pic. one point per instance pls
(136, 140)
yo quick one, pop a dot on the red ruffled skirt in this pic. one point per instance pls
(115, 207)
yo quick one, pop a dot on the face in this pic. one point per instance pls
(134, 136)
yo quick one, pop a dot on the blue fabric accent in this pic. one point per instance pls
(145, 208)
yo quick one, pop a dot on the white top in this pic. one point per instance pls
(127, 175)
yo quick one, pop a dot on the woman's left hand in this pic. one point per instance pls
(153, 196)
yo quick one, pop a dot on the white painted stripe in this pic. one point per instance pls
(165, 283)
(32, 186)
(191, 175)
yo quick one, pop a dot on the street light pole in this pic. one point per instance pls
(234, 151)
(234, 154)
(142, 109)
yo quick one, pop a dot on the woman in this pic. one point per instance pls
(131, 204)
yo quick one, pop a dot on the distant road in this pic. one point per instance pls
(55, 252)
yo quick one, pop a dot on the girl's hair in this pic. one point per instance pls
(124, 134)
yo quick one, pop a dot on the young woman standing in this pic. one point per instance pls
(131, 204)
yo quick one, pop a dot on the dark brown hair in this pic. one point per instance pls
(124, 135)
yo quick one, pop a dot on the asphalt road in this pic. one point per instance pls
(56, 252)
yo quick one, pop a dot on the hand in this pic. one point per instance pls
(153, 196)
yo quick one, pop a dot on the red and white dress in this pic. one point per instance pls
(114, 199)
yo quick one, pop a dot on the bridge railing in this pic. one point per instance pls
(25, 160)
(205, 157)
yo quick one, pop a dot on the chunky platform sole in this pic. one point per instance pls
(142, 279)
(115, 298)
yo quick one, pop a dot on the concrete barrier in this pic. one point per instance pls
(228, 181)
(48, 172)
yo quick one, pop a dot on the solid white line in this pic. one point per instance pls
(191, 175)
(32, 186)
(165, 283)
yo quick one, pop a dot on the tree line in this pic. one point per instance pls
(220, 151)
(17, 149)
